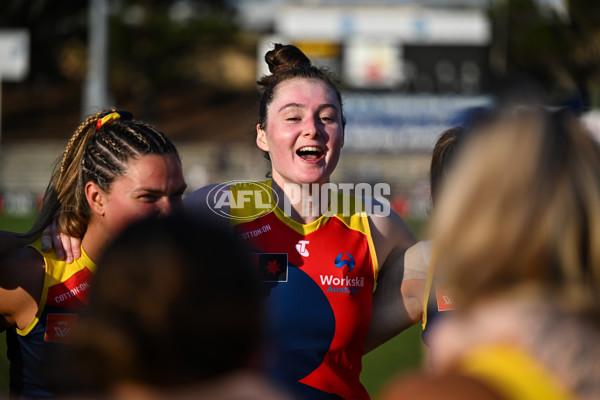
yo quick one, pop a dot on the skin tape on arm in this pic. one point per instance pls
(416, 261)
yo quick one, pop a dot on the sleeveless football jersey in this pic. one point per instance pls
(436, 300)
(64, 296)
(319, 279)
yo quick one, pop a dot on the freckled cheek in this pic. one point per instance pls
(282, 142)
(281, 150)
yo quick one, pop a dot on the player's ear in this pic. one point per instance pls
(261, 138)
(96, 198)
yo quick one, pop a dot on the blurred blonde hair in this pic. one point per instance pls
(522, 207)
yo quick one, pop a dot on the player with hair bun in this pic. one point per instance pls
(320, 268)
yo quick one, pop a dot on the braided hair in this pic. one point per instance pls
(98, 151)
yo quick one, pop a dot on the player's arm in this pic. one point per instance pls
(21, 283)
(11, 241)
(398, 297)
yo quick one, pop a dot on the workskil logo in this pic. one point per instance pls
(254, 198)
(344, 284)
(343, 263)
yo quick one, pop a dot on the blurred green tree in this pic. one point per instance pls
(559, 48)
(51, 25)
(153, 43)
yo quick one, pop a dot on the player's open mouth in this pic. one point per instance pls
(310, 153)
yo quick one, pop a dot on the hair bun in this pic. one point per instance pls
(284, 57)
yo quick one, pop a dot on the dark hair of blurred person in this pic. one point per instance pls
(175, 311)
(442, 157)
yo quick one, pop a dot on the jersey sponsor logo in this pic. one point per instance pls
(271, 267)
(301, 247)
(341, 263)
(444, 300)
(255, 232)
(60, 327)
(342, 285)
(72, 293)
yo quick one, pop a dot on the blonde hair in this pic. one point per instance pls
(522, 207)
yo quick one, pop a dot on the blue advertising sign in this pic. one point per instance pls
(384, 122)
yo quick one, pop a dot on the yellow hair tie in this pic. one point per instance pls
(107, 118)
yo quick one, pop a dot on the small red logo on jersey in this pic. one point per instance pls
(444, 300)
(271, 267)
(60, 327)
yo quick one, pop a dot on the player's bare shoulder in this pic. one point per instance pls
(22, 273)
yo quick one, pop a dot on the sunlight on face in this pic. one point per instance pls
(153, 185)
(304, 131)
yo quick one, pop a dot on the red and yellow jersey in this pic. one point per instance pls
(64, 296)
(320, 279)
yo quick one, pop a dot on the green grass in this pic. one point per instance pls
(397, 356)
(401, 354)
(16, 223)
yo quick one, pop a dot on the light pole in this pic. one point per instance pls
(95, 93)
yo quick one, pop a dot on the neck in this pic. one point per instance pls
(303, 203)
(94, 241)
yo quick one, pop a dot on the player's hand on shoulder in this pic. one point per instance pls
(67, 248)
